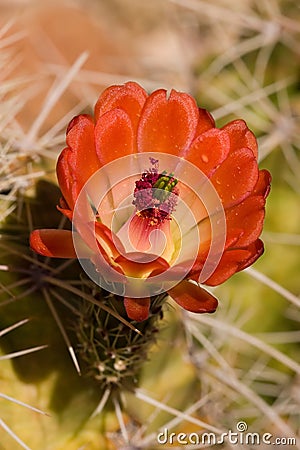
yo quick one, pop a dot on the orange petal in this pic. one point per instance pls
(197, 264)
(115, 207)
(65, 177)
(107, 239)
(64, 208)
(248, 216)
(137, 308)
(229, 264)
(205, 122)
(256, 249)
(113, 136)
(236, 177)
(194, 298)
(129, 97)
(167, 125)
(263, 184)
(110, 272)
(55, 243)
(141, 265)
(83, 158)
(192, 201)
(209, 150)
(241, 136)
(144, 237)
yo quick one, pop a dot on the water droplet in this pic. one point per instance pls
(204, 158)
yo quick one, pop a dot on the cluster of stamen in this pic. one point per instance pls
(152, 194)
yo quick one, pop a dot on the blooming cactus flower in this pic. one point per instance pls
(158, 155)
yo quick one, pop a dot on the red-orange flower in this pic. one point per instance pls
(127, 123)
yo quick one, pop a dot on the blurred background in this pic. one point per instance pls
(239, 60)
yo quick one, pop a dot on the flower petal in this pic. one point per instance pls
(116, 207)
(107, 239)
(196, 265)
(65, 178)
(78, 161)
(256, 249)
(55, 243)
(230, 263)
(209, 150)
(194, 298)
(113, 136)
(137, 308)
(192, 200)
(249, 216)
(129, 97)
(141, 265)
(167, 125)
(63, 207)
(139, 235)
(205, 122)
(236, 177)
(83, 159)
(241, 136)
(263, 184)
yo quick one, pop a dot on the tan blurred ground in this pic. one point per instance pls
(124, 40)
(53, 35)
(158, 43)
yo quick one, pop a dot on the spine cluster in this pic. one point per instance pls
(110, 351)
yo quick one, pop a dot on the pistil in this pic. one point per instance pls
(153, 197)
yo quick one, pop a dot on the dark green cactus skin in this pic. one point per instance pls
(112, 353)
(109, 352)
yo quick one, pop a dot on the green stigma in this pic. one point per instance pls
(164, 186)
